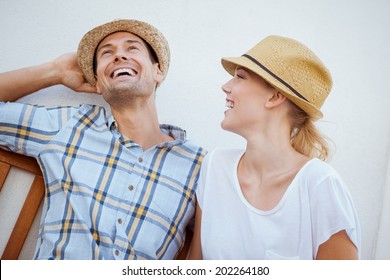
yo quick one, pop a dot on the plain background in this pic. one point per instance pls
(351, 36)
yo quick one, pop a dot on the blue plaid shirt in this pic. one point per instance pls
(105, 197)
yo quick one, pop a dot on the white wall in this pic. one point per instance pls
(352, 38)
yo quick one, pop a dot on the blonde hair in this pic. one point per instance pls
(305, 137)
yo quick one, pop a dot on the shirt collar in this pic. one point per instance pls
(175, 132)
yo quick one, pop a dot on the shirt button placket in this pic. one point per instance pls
(117, 253)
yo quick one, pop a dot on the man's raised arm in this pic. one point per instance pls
(63, 70)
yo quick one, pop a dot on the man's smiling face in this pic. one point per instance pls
(124, 67)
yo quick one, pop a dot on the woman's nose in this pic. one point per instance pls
(226, 87)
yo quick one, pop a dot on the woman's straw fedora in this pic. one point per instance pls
(147, 32)
(290, 67)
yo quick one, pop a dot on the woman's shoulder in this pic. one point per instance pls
(316, 166)
(315, 172)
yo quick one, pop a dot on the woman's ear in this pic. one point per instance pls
(275, 99)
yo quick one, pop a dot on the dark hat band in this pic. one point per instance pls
(275, 76)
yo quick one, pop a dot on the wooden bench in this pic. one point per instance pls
(31, 204)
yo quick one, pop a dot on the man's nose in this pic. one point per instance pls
(120, 55)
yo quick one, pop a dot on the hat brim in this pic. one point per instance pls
(230, 64)
(90, 41)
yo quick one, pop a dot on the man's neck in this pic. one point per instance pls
(141, 125)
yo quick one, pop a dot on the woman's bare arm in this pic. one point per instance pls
(338, 247)
(196, 249)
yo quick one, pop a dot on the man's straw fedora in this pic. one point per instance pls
(291, 68)
(147, 32)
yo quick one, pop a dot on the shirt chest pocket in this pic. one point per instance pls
(173, 205)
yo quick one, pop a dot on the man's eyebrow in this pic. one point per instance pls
(109, 45)
(103, 47)
(133, 41)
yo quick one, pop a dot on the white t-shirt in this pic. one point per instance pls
(315, 206)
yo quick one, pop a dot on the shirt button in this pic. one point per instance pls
(119, 220)
(131, 187)
(113, 125)
(116, 253)
(140, 159)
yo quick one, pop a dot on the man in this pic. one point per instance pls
(119, 185)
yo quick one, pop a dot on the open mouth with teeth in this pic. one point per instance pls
(123, 72)
(229, 104)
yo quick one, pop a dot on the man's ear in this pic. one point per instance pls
(159, 75)
(275, 99)
(98, 91)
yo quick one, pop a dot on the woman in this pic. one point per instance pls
(277, 199)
